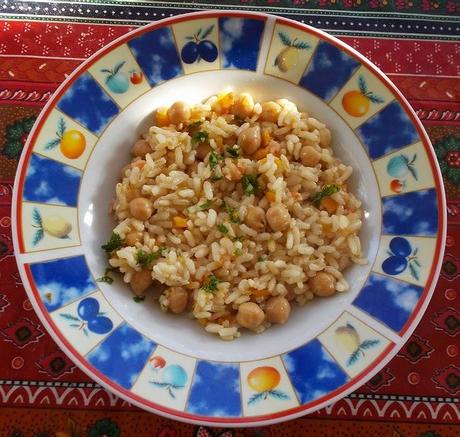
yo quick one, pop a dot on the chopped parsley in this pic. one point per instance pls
(250, 184)
(144, 258)
(200, 137)
(237, 252)
(107, 278)
(223, 229)
(195, 124)
(138, 299)
(206, 205)
(326, 191)
(215, 178)
(211, 285)
(240, 238)
(233, 214)
(233, 152)
(262, 258)
(214, 159)
(115, 243)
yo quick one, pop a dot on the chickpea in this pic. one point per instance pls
(133, 237)
(278, 309)
(250, 140)
(140, 282)
(244, 106)
(323, 284)
(202, 151)
(324, 137)
(270, 111)
(141, 208)
(255, 218)
(278, 218)
(309, 156)
(250, 315)
(178, 300)
(179, 112)
(141, 148)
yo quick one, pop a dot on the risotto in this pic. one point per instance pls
(235, 211)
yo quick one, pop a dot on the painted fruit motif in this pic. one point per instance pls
(53, 225)
(157, 362)
(136, 77)
(72, 143)
(397, 186)
(264, 380)
(175, 375)
(116, 80)
(400, 257)
(89, 318)
(357, 102)
(198, 47)
(172, 377)
(348, 340)
(288, 58)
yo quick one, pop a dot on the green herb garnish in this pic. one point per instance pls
(233, 214)
(250, 184)
(200, 137)
(195, 124)
(214, 159)
(326, 191)
(211, 285)
(222, 229)
(237, 252)
(240, 238)
(262, 258)
(138, 299)
(144, 259)
(107, 278)
(115, 243)
(233, 152)
(206, 205)
(215, 178)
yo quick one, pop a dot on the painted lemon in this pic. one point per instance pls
(56, 226)
(287, 59)
(347, 338)
(73, 144)
(355, 103)
(263, 378)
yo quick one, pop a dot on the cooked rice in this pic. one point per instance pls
(205, 239)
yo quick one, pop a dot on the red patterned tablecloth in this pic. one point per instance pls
(42, 393)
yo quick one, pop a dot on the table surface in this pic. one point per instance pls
(417, 43)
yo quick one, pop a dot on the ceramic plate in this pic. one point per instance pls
(167, 364)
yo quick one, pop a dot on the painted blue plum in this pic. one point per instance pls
(88, 308)
(207, 50)
(397, 167)
(400, 246)
(394, 265)
(174, 375)
(189, 52)
(100, 325)
(118, 83)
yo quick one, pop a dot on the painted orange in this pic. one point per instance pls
(73, 144)
(355, 103)
(263, 378)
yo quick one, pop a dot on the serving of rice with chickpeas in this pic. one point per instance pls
(235, 211)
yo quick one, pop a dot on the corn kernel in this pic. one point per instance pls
(329, 204)
(179, 222)
(266, 138)
(271, 196)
